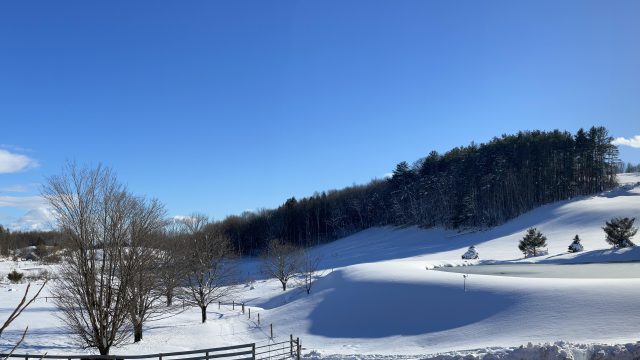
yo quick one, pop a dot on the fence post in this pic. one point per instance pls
(253, 351)
(271, 325)
(159, 356)
(299, 347)
(258, 319)
(233, 305)
(249, 313)
(243, 308)
(291, 344)
(218, 305)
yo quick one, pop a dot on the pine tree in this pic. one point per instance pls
(575, 245)
(620, 231)
(531, 242)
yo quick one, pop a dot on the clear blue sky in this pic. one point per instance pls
(223, 106)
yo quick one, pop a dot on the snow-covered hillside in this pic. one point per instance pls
(376, 295)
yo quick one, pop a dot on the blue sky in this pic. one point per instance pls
(223, 106)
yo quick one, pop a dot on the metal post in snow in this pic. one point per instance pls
(464, 281)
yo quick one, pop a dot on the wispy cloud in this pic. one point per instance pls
(11, 162)
(19, 188)
(40, 218)
(37, 214)
(22, 202)
(633, 142)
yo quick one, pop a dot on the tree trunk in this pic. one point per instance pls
(169, 297)
(204, 313)
(137, 332)
(284, 285)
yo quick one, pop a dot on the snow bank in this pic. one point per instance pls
(556, 351)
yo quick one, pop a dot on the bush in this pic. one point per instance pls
(15, 277)
(52, 259)
(575, 246)
(43, 274)
(471, 254)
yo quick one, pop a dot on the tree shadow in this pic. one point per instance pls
(382, 309)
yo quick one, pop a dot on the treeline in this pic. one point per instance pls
(470, 186)
(629, 168)
(10, 241)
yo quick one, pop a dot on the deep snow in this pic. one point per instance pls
(376, 295)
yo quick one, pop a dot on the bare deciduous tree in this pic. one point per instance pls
(309, 270)
(281, 261)
(142, 261)
(22, 305)
(94, 211)
(211, 270)
(171, 256)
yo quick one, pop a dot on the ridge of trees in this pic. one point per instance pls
(469, 186)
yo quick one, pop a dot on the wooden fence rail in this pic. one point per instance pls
(290, 349)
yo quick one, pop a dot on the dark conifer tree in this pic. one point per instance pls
(620, 231)
(532, 242)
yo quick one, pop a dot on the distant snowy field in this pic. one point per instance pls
(377, 299)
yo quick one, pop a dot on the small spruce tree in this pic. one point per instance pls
(575, 245)
(620, 231)
(531, 242)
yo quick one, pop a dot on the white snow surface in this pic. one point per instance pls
(378, 299)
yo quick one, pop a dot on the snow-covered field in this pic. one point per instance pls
(378, 299)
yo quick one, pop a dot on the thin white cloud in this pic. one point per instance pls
(19, 188)
(11, 162)
(22, 202)
(181, 217)
(40, 218)
(633, 142)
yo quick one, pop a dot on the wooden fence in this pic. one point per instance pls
(290, 349)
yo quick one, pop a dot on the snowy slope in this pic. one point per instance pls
(377, 297)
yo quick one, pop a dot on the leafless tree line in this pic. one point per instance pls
(285, 261)
(126, 263)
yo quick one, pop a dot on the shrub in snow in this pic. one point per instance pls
(471, 254)
(532, 243)
(15, 277)
(575, 245)
(620, 231)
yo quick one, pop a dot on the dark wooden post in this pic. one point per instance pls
(258, 319)
(218, 305)
(160, 356)
(233, 305)
(291, 344)
(249, 313)
(299, 347)
(253, 351)
(243, 308)
(271, 325)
